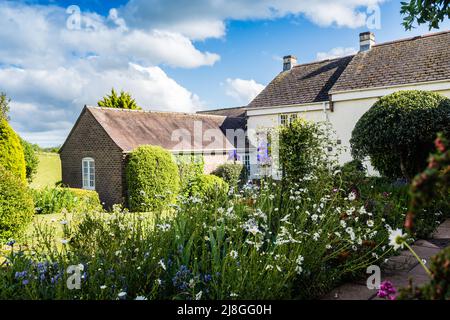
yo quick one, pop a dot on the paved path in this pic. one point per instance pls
(398, 269)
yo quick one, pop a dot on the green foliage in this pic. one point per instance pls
(301, 150)
(425, 11)
(190, 168)
(152, 179)
(55, 200)
(16, 206)
(11, 152)
(31, 159)
(430, 190)
(241, 247)
(397, 132)
(234, 174)
(210, 187)
(352, 174)
(4, 106)
(122, 101)
(439, 286)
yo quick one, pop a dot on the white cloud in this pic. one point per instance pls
(200, 19)
(242, 90)
(335, 53)
(51, 72)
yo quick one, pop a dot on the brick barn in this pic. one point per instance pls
(95, 152)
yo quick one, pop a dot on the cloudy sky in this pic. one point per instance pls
(57, 56)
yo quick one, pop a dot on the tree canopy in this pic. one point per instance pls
(121, 101)
(432, 12)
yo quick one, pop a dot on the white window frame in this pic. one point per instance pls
(246, 162)
(88, 179)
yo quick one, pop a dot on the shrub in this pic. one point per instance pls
(430, 190)
(31, 159)
(439, 286)
(11, 152)
(16, 205)
(234, 174)
(352, 174)
(152, 178)
(54, 200)
(190, 168)
(209, 186)
(397, 132)
(301, 150)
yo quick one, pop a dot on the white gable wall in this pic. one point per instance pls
(348, 107)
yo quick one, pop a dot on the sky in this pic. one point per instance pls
(57, 56)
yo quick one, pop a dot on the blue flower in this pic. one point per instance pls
(11, 242)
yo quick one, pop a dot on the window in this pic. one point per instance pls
(88, 169)
(247, 162)
(285, 119)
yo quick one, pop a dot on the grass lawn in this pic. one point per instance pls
(49, 170)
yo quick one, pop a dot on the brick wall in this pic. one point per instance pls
(88, 139)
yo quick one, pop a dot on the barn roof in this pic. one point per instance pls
(174, 131)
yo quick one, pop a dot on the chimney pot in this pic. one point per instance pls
(366, 41)
(289, 62)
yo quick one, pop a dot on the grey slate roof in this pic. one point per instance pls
(413, 60)
(131, 128)
(419, 59)
(304, 83)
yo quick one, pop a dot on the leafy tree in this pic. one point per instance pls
(432, 12)
(4, 106)
(31, 159)
(122, 101)
(398, 131)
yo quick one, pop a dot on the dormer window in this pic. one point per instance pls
(88, 170)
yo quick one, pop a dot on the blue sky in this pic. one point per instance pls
(171, 55)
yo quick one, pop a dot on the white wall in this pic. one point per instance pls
(348, 107)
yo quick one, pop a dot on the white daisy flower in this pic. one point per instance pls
(397, 239)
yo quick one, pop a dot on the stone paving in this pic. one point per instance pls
(398, 269)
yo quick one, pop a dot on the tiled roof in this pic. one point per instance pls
(130, 128)
(419, 59)
(304, 83)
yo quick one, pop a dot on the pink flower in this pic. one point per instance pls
(387, 291)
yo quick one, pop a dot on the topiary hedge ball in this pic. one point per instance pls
(152, 179)
(398, 131)
(211, 187)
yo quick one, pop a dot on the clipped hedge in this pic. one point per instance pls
(210, 187)
(398, 131)
(11, 152)
(54, 200)
(152, 179)
(16, 206)
(232, 173)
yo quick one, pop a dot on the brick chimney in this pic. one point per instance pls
(289, 62)
(366, 41)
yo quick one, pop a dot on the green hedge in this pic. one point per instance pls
(398, 131)
(152, 179)
(232, 173)
(190, 167)
(31, 159)
(11, 152)
(210, 187)
(54, 200)
(16, 205)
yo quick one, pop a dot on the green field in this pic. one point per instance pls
(49, 170)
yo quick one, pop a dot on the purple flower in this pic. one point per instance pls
(25, 282)
(387, 290)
